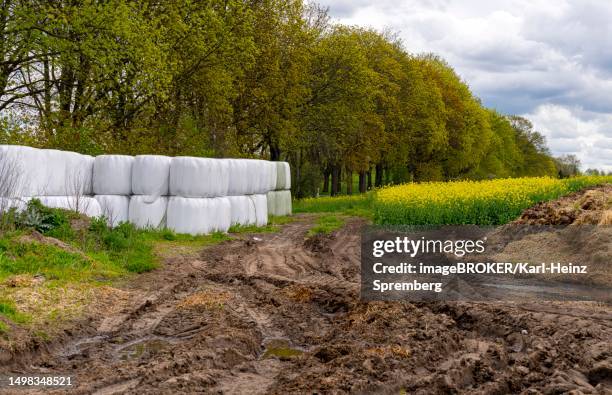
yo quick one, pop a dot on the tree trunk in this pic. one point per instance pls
(362, 182)
(335, 180)
(349, 182)
(298, 175)
(369, 174)
(326, 174)
(379, 175)
(275, 152)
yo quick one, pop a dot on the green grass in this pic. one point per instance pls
(8, 310)
(19, 257)
(354, 205)
(326, 224)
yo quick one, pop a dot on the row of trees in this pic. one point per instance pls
(256, 78)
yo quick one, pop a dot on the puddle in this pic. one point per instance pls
(143, 347)
(280, 348)
(80, 345)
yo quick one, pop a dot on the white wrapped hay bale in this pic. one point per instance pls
(18, 204)
(261, 176)
(198, 216)
(283, 176)
(23, 171)
(260, 202)
(144, 214)
(27, 171)
(82, 204)
(112, 175)
(150, 175)
(242, 210)
(224, 216)
(279, 203)
(199, 177)
(238, 180)
(254, 176)
(115, 208)
(68, 173)
(270, 175)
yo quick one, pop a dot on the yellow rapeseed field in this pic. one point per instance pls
(470, 202)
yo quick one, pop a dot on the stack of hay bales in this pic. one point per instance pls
(279, 199)
(198, 189)
(112, 186)
(150, 190)
(58, 179)
(186, 194)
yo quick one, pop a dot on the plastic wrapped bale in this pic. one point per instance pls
(258, 176)
(271, 200)
(23, 171)
(283, 176)
(271, 173)
(267, 176)
(112, 175)
(83, 204)
(261, 209)
(7, 204)
(150, 176)
(144, 214)
(27, 171)
(198, 216)
(69, 173)
(224, 217)
(238, 180)
(279, 203)
(255, 177)
(286, 207)
(115, 208)
(242, 210)
(199, 177)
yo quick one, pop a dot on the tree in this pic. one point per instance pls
(568, 166)
(536, 159)
(272, 79)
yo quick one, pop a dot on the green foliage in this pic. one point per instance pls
(123, 244)
(272, 79)
(41, 218)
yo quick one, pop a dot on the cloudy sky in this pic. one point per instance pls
(549, 60)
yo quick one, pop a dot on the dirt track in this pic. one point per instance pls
(276, 314)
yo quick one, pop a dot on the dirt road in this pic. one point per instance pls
(279, 313)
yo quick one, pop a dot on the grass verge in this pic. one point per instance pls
(354, 205)
(326, 224)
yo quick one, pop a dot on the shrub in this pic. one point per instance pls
(41, 218)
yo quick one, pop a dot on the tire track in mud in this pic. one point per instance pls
(281, 314)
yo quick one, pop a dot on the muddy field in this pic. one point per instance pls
(280, 313)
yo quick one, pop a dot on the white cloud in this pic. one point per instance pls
(550, 59)
(575, 131)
